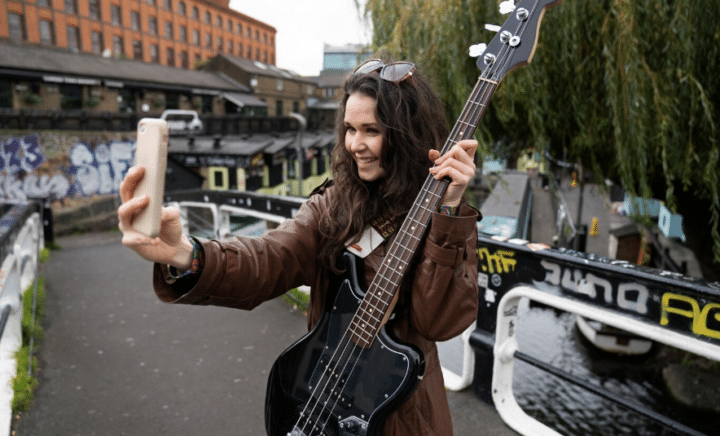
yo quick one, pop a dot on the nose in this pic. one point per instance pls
(356, 142)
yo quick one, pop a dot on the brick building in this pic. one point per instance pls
(179, 33)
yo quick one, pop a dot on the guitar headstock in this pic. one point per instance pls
(514, 44)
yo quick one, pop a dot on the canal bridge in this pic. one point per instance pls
(666, 307)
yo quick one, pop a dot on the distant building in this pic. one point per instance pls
(283, 91)
(338, 61)
(178, 33)
(34, 77)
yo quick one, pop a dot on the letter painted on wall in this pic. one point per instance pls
(25, 172)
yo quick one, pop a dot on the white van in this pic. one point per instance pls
(182, 121)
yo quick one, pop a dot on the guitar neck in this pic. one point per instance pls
(381, 296)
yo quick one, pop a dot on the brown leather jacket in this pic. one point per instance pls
(443, 301)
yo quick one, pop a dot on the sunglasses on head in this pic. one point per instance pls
(395, 72)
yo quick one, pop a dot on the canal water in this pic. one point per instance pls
(551, 336)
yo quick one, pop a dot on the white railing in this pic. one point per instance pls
(19, 271)
(506, 349)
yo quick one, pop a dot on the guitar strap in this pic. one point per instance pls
(374, 235)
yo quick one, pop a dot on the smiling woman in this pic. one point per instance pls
(354, 230)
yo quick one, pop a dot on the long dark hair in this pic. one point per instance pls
(412, 122)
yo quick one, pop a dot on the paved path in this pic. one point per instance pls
(117, 361)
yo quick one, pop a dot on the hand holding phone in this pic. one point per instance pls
(151, 152)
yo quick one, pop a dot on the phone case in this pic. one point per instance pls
(151, 152)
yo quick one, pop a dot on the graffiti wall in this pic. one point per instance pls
(31, 168)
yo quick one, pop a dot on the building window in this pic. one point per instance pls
(248, 32)
(248, 53)
(168, 30)
(137, 50)
(43, 3)
(170, 59)
(73, 38)
(94, 6)
(296, 107)
(196, 37)
(182, 34)
(168, 4)
(115, 14)
(152, 25)
(279, 85)
(97, 42)
(126, 100)
(118, 49)
(218, 22)
(47, 36)
(150, 2)
(154, 53)
(172, 100)
(17, 28)
(207, 17)
(135, 20)
(257, 35)
(239, 29)
(230, 47)
(208, 41)
(182, 10)
(71, 96)
(6, 94)
(229, 25)
(195, 13)
(278, 108)
(184, 61)
(219, 43)
(71, 6)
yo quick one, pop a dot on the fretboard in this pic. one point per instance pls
(380, 298)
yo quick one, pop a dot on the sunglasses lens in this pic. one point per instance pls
(369, 66)
(397, 72)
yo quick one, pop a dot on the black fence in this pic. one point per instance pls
(37, 119)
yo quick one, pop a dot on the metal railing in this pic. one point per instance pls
(21, 239)
(663, 306)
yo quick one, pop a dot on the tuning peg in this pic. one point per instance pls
(477, 50)
(492, 27)
(507, 7)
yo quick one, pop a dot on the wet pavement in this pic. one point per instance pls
(117, 361)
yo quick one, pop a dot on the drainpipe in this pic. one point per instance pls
(298, 145)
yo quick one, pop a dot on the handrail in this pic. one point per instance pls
(21, 238)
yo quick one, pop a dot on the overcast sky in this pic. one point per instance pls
(303, 26)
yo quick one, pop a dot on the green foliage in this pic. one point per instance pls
(24, 385)
(626, 87)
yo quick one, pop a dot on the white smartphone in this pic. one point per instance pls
(151, 152)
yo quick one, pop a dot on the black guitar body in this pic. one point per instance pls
(362, 385)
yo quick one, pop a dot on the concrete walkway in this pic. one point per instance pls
(117, 361)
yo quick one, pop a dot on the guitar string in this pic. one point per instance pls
(481, 88)
(346, 337)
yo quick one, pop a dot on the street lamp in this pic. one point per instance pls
(298, 145)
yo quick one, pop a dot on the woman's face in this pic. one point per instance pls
(363, 136)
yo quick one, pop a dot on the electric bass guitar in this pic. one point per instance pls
(350, 372)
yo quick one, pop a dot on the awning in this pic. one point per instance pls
(242, 100)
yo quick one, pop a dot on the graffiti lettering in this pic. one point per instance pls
(101, 171)
(699, 317)
(502, 261)
(630, 296)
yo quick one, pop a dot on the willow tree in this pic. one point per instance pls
(628, 88)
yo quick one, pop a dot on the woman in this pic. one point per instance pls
(390, 124)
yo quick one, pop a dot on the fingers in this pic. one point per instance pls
(129, 209)
(130, 182)
(458, 163)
